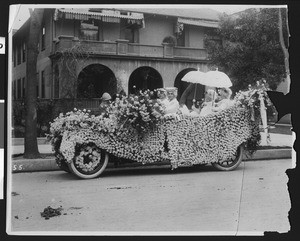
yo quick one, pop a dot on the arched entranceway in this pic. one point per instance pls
(182, 85)
(94, 80)
(144, 78)
(188, 91)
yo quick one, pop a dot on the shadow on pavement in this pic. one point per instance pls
(156, 170)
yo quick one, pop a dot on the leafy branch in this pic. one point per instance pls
(69, 59)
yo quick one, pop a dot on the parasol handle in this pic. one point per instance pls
(195, 92)
(213, 100)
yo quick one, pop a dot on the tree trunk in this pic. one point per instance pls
(284, 50)
(31, 145)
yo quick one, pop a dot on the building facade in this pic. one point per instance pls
(86, 52)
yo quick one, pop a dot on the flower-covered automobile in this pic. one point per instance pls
(135, 128)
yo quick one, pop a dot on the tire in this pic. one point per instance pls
(231, 164)
(93, 172)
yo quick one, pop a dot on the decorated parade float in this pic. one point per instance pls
(135, 129)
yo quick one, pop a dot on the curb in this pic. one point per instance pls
(267, 154)
(34, 165)
(49, 164)
(20, 141)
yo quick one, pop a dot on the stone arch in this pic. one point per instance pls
(95, 79)
(182, 85)
(187, 92)
(144, 78)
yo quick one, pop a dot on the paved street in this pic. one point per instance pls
(200, 200)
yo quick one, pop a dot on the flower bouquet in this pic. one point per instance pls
(258, 103)
(251, 97)
(141, 111)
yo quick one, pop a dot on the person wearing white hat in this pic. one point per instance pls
(224, 97)
(105, 101)
(207, 106)
(173, 105)
(162, 97)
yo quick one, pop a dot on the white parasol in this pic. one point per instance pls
(217, 79)
(195, 77)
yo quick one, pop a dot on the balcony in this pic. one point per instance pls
(122, 47)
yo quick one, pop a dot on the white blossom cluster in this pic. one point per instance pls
(251, 97)
(140, 111)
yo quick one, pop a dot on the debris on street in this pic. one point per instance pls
(51, 212)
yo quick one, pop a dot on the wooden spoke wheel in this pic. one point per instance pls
(231, 164)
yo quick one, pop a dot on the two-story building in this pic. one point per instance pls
(86, 52)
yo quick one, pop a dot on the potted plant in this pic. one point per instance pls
(169, 40)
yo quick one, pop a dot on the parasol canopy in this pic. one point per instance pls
(217, 79)
(194, 76)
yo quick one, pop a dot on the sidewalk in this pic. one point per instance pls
(279, 148)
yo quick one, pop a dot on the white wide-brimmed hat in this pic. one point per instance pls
(171, 89)
(161, 90)
(106, 96)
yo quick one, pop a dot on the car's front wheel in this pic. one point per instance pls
(89, 161)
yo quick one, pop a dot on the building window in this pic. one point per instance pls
(43, 38)
(129, 35)
(43, 84)
(37, 86)
(181, 38)
(14, 56)
(19, 89)
(24, 52)
(89, 31)
(129, 32)
(18, 55)
(56, 83)
(14, 89)
(23, 87)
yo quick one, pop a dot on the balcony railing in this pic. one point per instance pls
(124, 48)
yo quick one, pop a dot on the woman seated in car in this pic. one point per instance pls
(207, 106)
(224, 99)
(173, 105)
(162, 97)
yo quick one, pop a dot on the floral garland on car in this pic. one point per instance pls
(250, 99)
(76, 122)
(190, 140)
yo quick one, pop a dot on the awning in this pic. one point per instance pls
(198, 22)
(104, 15)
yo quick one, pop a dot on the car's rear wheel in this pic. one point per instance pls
(89, 161)
(232, 163)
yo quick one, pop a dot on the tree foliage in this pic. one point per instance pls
(69, 59)
(249, 48)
